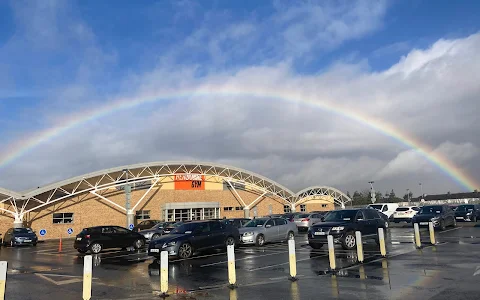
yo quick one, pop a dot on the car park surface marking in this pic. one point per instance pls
(72, 278)
(240, 259)
(282, 264)
(456, 228)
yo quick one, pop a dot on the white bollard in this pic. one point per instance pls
(164, 272)
(232, 278)
(358, 237)
(3, 278)
(416, 230)
(292, 259)
(87, 277)
(331, 252)
(432, 233)
(381, 240)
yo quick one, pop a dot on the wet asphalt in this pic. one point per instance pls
(447, 270)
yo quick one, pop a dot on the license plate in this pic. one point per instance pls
(320, 233)
(27, 241)
(423, 223)
(459, 218)
(155, 250)
(79, 239)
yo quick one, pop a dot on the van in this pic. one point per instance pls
(386, 208)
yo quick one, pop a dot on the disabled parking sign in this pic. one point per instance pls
(130, 226)
(43, 232)
(70, 231)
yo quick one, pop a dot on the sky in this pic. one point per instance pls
(411, 64)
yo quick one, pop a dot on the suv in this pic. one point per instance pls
(405, 214)
(98, 238)
(342, 224)
(263, 230)
(467, 212)
(440, 215)
(194, 236)
(386, 208)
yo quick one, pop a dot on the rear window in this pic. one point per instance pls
(22, 230)
(376, 206)
(402, 209)
(303, 216)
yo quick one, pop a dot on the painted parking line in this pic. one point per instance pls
(282, 264)
(456, 228)
(240, 259)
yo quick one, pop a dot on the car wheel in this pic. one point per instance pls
(316, 245)
(12, 244)
(230, 241)
(260, 240)
(290, 235)
(96, 248)
(138, 244)
(155, 236)
(442, 225)
(81, 251)
(185, 251)
(349, 242)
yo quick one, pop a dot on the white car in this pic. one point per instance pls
(405, 214)
(386, 208)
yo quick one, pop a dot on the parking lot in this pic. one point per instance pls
(445, 271)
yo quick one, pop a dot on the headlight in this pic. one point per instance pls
(248, 233)
(469, 214)
(165, 245)
(339, 228)
(148, 235)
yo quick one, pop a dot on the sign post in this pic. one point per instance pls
(43, 232)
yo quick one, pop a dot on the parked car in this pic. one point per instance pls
(96, 239)
(265, 230)
(236, 222)
(467, 212)
(385, 208)
(440, 215)
(20, 236)
(195, 236)
(147, 224)
(342, 224)
(304, 221)
(171, 226)
(156, 231)
(405, 214)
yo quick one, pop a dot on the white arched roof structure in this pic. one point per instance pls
(316, 192)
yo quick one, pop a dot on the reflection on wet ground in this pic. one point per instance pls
(262, 273)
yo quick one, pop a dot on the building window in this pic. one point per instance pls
(287, 208)
(62, 218)
(142, 215)
(238, 208)
(324, 205)
(303, 207)
(227, 208)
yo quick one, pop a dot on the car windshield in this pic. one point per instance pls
(402, 209)
(22, 230)
(256, 223)
(428, 210)
(185, 228)
(376, 206)
(465, 208)
(341, 215)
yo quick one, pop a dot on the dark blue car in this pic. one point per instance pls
(20, 236)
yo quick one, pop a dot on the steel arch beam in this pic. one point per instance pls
(313, 192)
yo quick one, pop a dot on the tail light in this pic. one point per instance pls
(87, 236)
(306, 220)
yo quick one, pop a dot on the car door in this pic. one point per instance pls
(271, 231)
(107, 237)
(123, 237)
(216, 238)
(450, 214)
(200, 236)
(361, 223)
(282, 228)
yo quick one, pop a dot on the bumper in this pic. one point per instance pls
(25, 242)
(81, 245)
(248, 240)
(302, 224)
(322, 239)
(401, 219)
(155, 252)
(436, 223)
(464, 218)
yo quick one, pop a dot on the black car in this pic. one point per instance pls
(440, 215)
(195, 236)
(95, 239)
(236, 222)
(147, 224)
(467, 212)
(20, 236)
(342, 224)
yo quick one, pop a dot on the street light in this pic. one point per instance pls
(421, 191)
(128, 191)
(372, 192)
(408, 196)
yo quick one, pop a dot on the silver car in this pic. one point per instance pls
(304, 221)
(155, 232)
(264, 230)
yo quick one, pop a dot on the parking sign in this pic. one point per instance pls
(130, 226)
(70, 231)
(43, 232)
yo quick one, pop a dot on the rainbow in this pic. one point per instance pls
(17, 150)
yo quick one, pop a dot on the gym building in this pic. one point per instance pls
(170, 191)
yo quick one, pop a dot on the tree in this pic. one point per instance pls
(348, 195)
(391, 196)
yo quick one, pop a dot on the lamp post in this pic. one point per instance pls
(372, 192)
(128, 192)
(408, 196)
(421, 191)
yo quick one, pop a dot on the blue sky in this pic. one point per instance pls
(58, 58)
